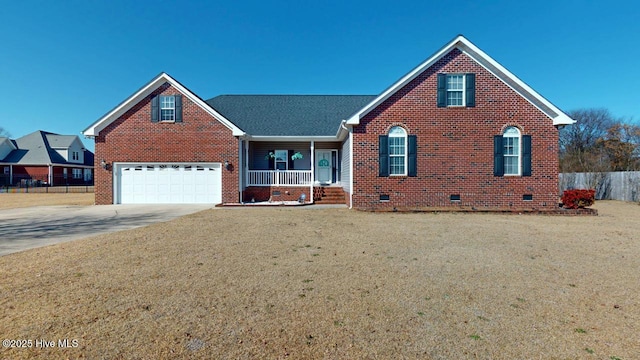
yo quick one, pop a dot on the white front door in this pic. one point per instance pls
(324, 166)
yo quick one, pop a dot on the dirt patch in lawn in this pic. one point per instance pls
(333, 283)
(19, 200)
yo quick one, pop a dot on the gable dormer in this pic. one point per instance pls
(69, 147)
(6, 147)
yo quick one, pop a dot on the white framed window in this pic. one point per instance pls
(6, 170)
(281, 161)
(75, 155)
(455, 90)
(76, 173)
(511, 150)
(167, 108)
(397, 151)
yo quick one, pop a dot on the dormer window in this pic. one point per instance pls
(75, 155)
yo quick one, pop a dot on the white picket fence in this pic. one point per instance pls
(618, 185)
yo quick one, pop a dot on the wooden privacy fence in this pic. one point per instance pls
(618, 185)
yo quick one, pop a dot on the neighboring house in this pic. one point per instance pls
(44, 158)
(458, 130)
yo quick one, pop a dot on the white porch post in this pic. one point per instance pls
(351, 165)
(10, 174)
(313, 176)
(50, 177)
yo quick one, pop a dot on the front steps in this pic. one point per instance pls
(328, 195)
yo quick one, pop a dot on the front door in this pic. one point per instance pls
(324, 166)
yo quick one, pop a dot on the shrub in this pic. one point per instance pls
(578, 198)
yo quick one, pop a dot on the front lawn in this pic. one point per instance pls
(333, 283)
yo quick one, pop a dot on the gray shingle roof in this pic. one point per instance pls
(59, 141)
(289, 115)
(35, 149)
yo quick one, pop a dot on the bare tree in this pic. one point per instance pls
(4, 132)
(579, 151)
(621, 145)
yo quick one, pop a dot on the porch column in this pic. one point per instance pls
(50, 177)
(313, 166)
(10, 174)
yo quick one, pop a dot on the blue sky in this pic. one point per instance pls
(64, 64)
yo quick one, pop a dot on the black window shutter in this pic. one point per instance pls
(470, 88)
(290, 160)
(526, 155)
(413, 156)
(442, 90)
(155, 108)
(383, 155)
(178, 99)
(498, 158)
(272, 160)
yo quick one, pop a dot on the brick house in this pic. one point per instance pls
(45, 159)
(458, 130)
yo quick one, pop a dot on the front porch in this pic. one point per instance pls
(293, 195)
(277, 163)
(279, 171)
(279, 177)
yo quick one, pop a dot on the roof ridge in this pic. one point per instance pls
(341, 95)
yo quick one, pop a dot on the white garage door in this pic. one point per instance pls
(168, 183)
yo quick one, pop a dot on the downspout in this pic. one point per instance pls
(350, 162)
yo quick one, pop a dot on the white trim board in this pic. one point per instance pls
(468, 48)
(100, 124)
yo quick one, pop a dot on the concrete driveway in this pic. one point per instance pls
(27, 228)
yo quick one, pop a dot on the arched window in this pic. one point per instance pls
(511, 150)
(397, 151)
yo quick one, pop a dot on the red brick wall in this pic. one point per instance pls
(30, 172)
(58, 176)
(134, 138)
(42, 173)
(455, 146)
(263, 193)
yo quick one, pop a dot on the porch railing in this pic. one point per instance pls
(279, 177)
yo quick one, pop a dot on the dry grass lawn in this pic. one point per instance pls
(335, 284)
(17, 200)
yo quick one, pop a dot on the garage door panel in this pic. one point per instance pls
(169, 183)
